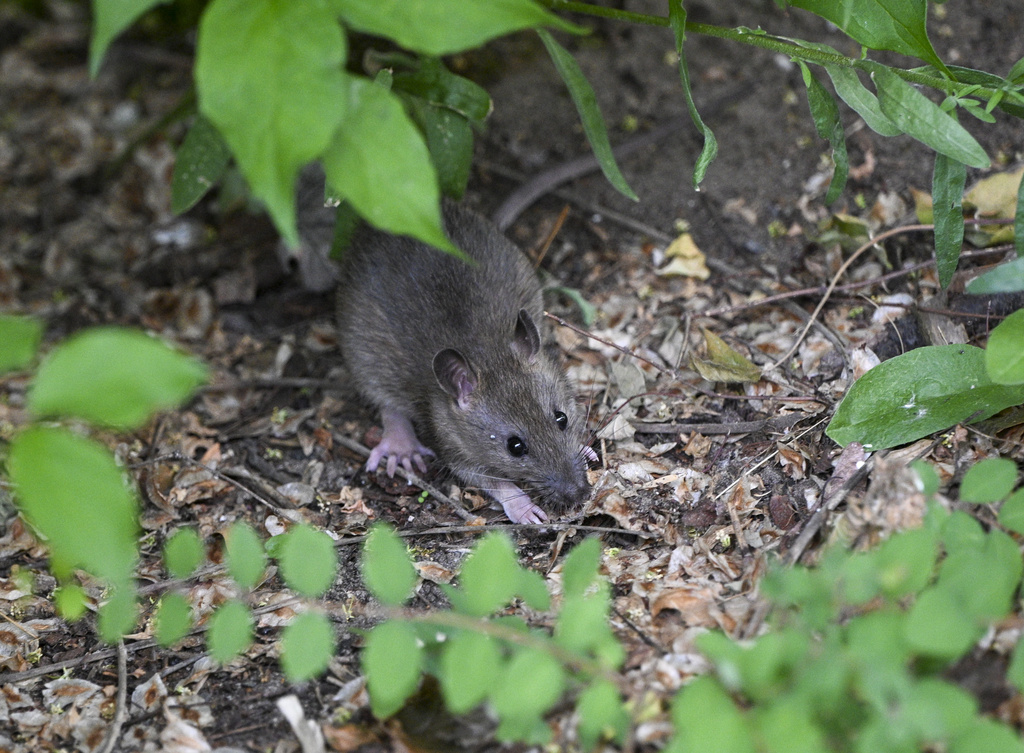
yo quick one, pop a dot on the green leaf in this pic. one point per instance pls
(379, 163)
(489, 575)
(948, 181)
(1006, 278)
(531, 684)
(533, 590)
(183, 552)
(788, 724)
(440, 27)
(230, 632)
(896, 25)
(173, 619)
(449, 140)
(71, 490)
(110, 18)
(919, 117)
(580, 568)
(590, 115)
(677, 20)
(387, 567)
(707, 721)
(429, 80)
(937, 625)
(1004, 354)
(915, 394)
(200, 162)
(825, 114)
(469, 664)
(987, 736)
(929, 478)
(602, 715)
(246, 559)
(71, 601)
(19, 341)
(989, 480)
(113, 377)
(1015, 672)
(391, 661)
(861, 100)
(1011, 514)
(308, 560)
(307, 646)
(118, 615)
(1018, 222)
(906, 562)
(997, 563)
(286, 59)
(582, 621)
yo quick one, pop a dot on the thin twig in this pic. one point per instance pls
(121, 712)
(835, 281)
(778, 423)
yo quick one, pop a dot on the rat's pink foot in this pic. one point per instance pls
(517, 504)
(589, 453)
(399, 445)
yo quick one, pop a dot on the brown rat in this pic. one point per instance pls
(455, 349)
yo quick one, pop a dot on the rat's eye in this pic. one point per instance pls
(561, 419)
(516, 447)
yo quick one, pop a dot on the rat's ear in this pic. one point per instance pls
(526, 338)
(455, 375)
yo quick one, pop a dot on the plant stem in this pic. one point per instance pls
(766, 41)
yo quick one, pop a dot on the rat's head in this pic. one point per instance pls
(513, 419)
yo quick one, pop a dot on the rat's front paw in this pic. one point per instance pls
(517, 504)
(399, 445)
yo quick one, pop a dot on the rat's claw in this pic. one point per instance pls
(517, 504)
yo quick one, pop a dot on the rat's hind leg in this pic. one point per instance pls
(399, 445)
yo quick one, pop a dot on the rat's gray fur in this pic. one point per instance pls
(402, 303)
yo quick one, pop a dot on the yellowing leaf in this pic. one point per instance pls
(996, 197)
(686, 260)
(724, 364)
(923, 207)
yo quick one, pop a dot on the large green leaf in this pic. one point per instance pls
(948, 180)
(113, 377)
(1006, 278)
(919, 117)
(110, 18)
(897, 25)
(71, 490)
(379, 163)
(440, 27)
(708, 152)
(918, 393)
(1004, 353)
(590, 115)
(269, 74)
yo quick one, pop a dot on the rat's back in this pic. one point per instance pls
(401, 301)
